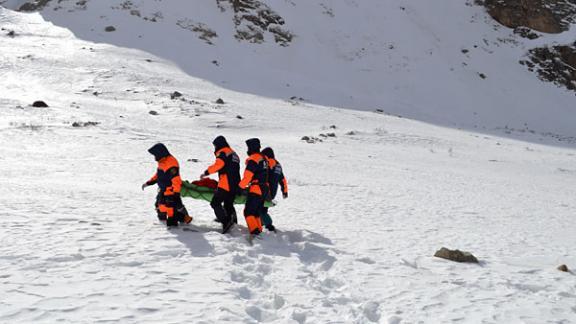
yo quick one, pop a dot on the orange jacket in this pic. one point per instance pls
(227, 165)
(256, 174)
(167, 176)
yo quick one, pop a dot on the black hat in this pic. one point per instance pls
(268, 152)
(159, 151)
(220, 142)
(253, 145)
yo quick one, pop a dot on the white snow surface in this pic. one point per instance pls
(418, 59)
(367, 208)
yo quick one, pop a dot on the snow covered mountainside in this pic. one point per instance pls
(445, 62)
(371, 198)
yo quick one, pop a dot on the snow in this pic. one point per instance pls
(366, 212)
(404, 57)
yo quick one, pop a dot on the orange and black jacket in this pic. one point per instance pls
(168, 174)
(256, 174)
(228, 167)
(276, 177)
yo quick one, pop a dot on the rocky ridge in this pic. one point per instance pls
(253, 19)
(555, 64)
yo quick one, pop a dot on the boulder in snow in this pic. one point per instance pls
(110, 29)
(563, 268)
(456, 255)
(175, 95)
(40, 104)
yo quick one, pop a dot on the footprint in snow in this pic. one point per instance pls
(394, 320)
(371, 311)
(366, 260)
(244, 293)
(236, 276)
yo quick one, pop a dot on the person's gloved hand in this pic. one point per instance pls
(204, 175)
(243, 192)
(145, 185)
(285, 195)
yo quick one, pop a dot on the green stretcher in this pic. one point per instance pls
(193, 191)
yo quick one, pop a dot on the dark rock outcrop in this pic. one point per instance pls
(254, 19)
(456, 255)
(40, 104)
(175, 95)
(554, 64)
(547, 16)
(563, 268)
(33, 5)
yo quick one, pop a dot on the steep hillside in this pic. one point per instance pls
(444, 62)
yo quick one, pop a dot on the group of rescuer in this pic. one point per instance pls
(262, 177)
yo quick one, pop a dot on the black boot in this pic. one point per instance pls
(172, 222)
(227, 227)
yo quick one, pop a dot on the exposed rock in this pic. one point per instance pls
(84, 124)
(254, 19)
(311, 139)
(455, 255)
(153, 112)
(175, 95)
(563, 268)
(204, 32)
(110, 29)
(11, 34)
(220, 101)
(547, 16)
(40, 104)
(239, 117)
(281, 36)
(525, 32)
(33, 5)
(554, 64)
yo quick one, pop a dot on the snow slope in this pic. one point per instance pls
(419, 59)
(367, 208)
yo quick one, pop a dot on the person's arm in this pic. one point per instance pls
(151, 182)
(248, 174)
(283, 184)
(217, 166)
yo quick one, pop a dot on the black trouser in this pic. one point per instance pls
(174, 203)
(223, 205)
